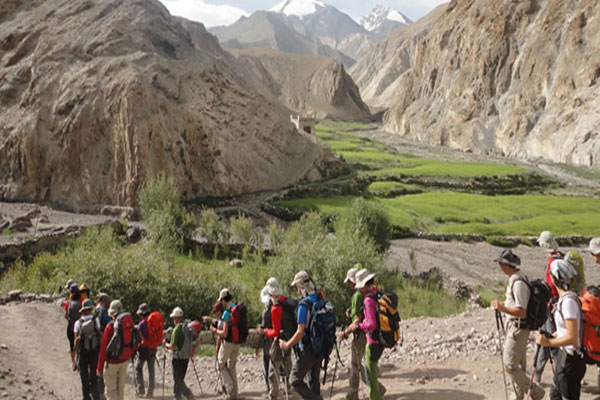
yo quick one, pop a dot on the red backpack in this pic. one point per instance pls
(125, 336)
(590, 307)
(238, 328)
(155, 325)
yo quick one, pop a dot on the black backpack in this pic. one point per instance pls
(289, 319)
(537, 306)
(238, 327)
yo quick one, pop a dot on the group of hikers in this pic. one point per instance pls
(104, 338)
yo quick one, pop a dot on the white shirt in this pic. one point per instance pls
(80, 321)
(569, 307)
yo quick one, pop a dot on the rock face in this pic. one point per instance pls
(98, 96)
(515, 77)
(306, 84)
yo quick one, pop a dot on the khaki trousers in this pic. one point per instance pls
(114, 380)
(274, 376)
(357, 372)
(515, 361)
(227, 358)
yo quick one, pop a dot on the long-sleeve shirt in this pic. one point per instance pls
(276, 316)
(143, 328)
(125, 355)
(369, 323)
(357, 302)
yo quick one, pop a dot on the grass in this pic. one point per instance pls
(451, 212)
(490, 292)
(437, 168)
(383, 188)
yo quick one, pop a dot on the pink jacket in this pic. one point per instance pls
(369, 323)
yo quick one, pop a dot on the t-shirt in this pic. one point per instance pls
(569, 308)
(517, 292)
(304, 313)
(177, 337)
(80, 321)
(357, 302)
(227, 314)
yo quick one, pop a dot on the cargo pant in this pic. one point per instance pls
(114, 380)
(514, 358)
(274, 374)
(227, 359)
(307, 364)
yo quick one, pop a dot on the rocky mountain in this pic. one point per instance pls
(517, 78)
(382, 21)
(98, 96)
(305, 83)
(378, 71)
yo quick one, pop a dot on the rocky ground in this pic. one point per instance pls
(453, 358)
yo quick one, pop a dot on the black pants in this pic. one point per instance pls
(307, 363)
(179, 370)
(87, 372)
(568, 374)
(71, 337)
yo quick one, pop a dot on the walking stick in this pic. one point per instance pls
(537, 352)
(220, 385)
(500, 323)
(164, 369)
(337, 359)
(196, 373)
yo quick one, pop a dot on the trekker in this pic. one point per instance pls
(181, 347)
(85, 291)
(548, 242)
(307, 362)
(217, 323)
(595, 249)
(112, 360)
(72, 307)
(515, 306)
(570, 366)
(101, 311)
(264, 342)
(88, 335)
(230, 348)
(279, 359)
(365, 283)
(146, 354)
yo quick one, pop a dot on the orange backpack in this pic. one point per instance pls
(590, 306)
(155, 330)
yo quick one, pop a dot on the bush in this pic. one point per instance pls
(212, 228)
(242, 232)
(168, 222)
(276, 237)
(365, 219)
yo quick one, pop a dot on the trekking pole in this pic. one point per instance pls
(500, 323)
(164, 369)
(196, 373)
(333, 380)
(219, 379)
(537, 352)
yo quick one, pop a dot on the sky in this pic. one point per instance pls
(226, 12)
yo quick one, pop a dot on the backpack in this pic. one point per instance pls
(126, 334)
(238, 327)
(73, 312)
(321, 327)
(388, 318)
(90, 336)
(289, 319)
(577, 284)
(590, 340)
(155, 324)
(537, 306)
(189, 337)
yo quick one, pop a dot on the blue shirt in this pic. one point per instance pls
(227, 314)
(303, 311)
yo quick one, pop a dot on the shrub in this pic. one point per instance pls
(365, 219)
(212, 228)
(168, 222)
(242, 232)
(276, 237)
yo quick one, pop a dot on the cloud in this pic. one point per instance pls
(208, 14)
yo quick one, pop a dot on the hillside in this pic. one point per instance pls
(306, 84)
(515, 78)
(96, 97)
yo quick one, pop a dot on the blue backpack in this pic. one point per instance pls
(321, 327)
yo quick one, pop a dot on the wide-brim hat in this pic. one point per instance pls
(595, 246)
(507, 256)
(273, 288)
(84, 288)
(87, 305)
(265, 298)
(548, 241)
(143, 309)
(177, 312)
(351, 275)
(115, 308)
(362, 277)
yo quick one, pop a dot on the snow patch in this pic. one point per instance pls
(299, 8)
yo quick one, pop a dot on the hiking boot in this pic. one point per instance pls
(140, 393)
(189, 397)
(538, 393)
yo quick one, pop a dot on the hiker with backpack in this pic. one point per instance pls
(151, 330)
(514, 354)
(72, 307)
(101, 311)
(88, 335)
(84, 291)
(315, 336)
(217, 323)
(264, 342)
(569, 363)
(365, 283)
(183, 345)
(282, 325)
(234, 331)
(119, 344)
(595, 249)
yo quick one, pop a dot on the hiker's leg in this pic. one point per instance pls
(110, 379)
(515, 346)
(223, 358)
(94, 391)
(274, 379)
(287, 365)
(574, 371)
(121, 379)
(84, 373)
(303, 365)
(231, 365)
(175, 369)
(139, 370)
(372, 355)
(184, 367)
(359, 342)
(71, 338)
(151, 371)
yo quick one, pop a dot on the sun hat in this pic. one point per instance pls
(177, 312)
(83, 287)
(224, 293)
(273, 288)
(87, 305)
(265, 298)
(69, 283)
(143, 309)
(115, 308)
(562, 270)
(74, 288)
(595, 246)
(351, 275)
(300, 278)
(509, 258)
(547, 241)
(362, 277)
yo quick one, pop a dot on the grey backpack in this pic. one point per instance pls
(189, 337)
(90, 335)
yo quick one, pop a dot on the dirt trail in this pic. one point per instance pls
(450, 358)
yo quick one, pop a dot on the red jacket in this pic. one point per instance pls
(276, 316)
(125, 355)
(557, 255)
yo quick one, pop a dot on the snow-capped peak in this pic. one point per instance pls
(379, 15)
(299, 8)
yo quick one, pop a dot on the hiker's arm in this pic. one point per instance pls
(222, 333)
(570, 339)
(276, 316)
(286, 345)
(108, 332)
(518, 312)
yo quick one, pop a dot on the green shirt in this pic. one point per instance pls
(357, 303)
(177, 337)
